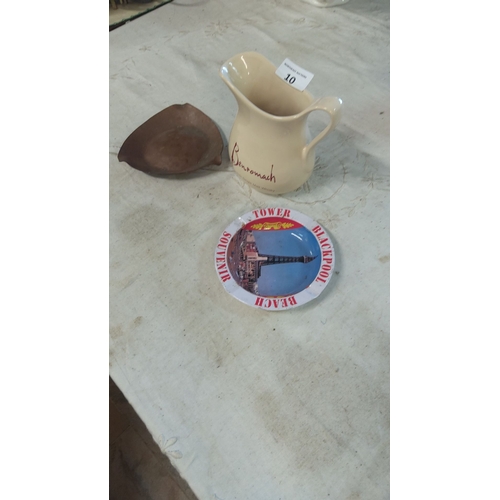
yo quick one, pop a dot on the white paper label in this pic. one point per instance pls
(294, 75)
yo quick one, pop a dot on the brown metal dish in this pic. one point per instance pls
(177, 140)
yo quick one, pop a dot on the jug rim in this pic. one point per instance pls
(235, 90)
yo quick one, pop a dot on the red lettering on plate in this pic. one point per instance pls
(266, 212)
(318, 231)
(223, 242)
(278, 303)
(326, 251)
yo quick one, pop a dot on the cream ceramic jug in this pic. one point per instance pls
(268, 145)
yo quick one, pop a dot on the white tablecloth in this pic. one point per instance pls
(250, 404)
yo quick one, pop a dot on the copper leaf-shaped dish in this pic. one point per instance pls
(177, 140)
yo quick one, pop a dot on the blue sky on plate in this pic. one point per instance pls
(287, 279)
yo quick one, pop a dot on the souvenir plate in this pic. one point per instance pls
(274, 259)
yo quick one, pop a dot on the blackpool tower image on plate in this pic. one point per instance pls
(273, 263)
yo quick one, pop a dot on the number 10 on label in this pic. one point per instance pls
(294, 75)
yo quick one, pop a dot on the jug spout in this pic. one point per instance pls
(253, 81)
(241, 100)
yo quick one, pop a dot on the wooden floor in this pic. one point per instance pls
(137, 468)
(123, 11)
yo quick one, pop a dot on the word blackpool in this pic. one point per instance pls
(326, 255)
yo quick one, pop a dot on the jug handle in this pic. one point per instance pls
(333, 106)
